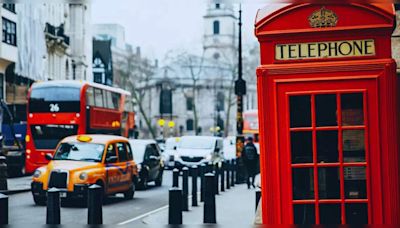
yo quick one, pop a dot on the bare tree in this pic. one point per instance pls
(192, 66)
(136, 74)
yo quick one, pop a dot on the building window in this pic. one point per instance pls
(189, 103)
(98, 63)
(166, 101)
(9, 32)
(216, 27)
(217, 6)
(220, 106)
(98, 77)
(10, 7)
(189, 125)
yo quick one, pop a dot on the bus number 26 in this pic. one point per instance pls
(54, 108)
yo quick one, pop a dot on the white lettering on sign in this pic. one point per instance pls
(329, 49)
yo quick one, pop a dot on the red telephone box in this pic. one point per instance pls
(328, 112)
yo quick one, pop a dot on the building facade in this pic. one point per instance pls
(8, 46)
(120, 49)
(102, 62)
(57, 26)
(194, 94)
(81, 41)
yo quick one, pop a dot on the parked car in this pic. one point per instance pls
(83, 160)
(197, 150)
(169, 153)
(147, 155)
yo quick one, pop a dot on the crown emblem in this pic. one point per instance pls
(323, 18)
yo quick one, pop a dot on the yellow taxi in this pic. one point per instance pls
(82, 160)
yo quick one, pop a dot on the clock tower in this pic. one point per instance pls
(220, 32)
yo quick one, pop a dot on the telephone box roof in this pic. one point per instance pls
(276, 10)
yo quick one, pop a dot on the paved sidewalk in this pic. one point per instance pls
(235, 208)
(18, 184)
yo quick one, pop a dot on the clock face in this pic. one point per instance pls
(216, 55)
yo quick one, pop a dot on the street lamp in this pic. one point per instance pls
(161, 123)
(240, 91)
(171, 125)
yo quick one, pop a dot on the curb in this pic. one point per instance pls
(16, 191)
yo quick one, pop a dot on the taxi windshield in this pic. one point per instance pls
(80, 152)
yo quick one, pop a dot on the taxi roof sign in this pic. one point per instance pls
(84, 138)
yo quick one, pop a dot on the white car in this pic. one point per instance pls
(169, 152)
(197, 150)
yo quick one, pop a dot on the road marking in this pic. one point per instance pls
(143, 215)
(149, 213)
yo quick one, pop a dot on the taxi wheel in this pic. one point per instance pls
(130, 193)
(143, 183)
(41, 201)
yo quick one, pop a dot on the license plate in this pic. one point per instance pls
(63, 194)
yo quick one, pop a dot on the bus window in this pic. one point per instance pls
(98, 96)
(115, 100)
(90, 96)
(110, 103)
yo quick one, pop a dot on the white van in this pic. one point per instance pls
(197, 150)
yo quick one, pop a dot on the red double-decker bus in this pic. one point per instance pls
(57, 109)
(250, 124)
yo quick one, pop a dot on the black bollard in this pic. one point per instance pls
(233, 172)
(53, 206)
(209, 167)
(3, 209)
(3, 173)
(236, 170)
(228, 179)
(258, 197)
(175, 206)
(209, 215)
(222, 173)
(202, 170)
(216, 178)
(194, 186)
(95, 205)
(175, 178)
(185, 188)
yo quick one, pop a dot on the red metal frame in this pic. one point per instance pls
(315, 165)
(316, 88)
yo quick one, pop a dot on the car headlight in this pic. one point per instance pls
(83, 176)
(37, 173)
(208, 157)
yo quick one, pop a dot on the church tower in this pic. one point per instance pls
(220, 32)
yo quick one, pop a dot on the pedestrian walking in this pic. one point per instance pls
(251, 161)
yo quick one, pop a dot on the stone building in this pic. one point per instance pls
(195, 92)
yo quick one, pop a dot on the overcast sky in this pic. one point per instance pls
(158, 26)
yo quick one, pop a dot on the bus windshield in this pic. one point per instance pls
(80, 152)
(54, 99)
(48, 136)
